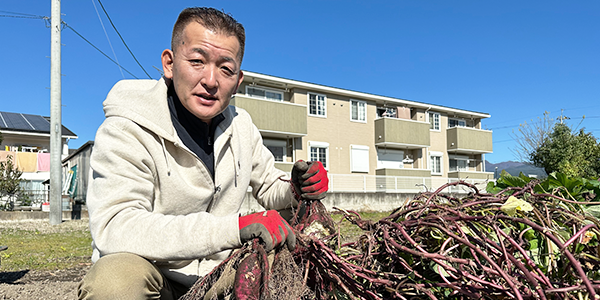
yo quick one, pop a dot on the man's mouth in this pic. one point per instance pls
(206, 97)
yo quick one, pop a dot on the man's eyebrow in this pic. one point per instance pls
(222, 58)
(199, 50)
(228, 59)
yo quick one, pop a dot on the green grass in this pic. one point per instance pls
(35, 250)
(65, 246)
(350, 232)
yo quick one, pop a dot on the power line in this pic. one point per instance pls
(123, 40)
(22, 14)
(502, 141)
(81, 36)
(20, 17)
(106, 34)
(30, 16)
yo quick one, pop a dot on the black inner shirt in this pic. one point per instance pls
(195, 134)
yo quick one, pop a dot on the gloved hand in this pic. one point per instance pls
(309, 179)
(268, 226)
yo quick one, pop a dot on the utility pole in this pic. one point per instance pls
(55, 117)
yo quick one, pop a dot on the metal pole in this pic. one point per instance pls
(55, 118)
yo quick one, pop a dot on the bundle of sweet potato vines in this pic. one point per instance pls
(518, 243)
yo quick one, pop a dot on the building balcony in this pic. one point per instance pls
(273, 118)
(469, 140)
(471, 175)
(406, 172)
(401, 133)
(402, 180)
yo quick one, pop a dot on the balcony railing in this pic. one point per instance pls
(403, 133)
(471, 174)
(274, 118)
(469, 140)
(398, 184)
(404, 172)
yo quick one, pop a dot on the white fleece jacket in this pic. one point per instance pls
(150, 195)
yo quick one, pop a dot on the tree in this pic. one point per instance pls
(530, 136)
(10, 179)
(574, 154)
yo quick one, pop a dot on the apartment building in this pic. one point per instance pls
(365, 139)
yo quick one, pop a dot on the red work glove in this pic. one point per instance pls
(269, 227)
(309, 180)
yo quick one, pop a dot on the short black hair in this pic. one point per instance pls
(212, 19)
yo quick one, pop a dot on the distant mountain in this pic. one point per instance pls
(515, 168)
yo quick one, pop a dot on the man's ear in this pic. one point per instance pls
(239, 81)
(167, 58)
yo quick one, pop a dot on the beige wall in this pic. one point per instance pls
(339, 131)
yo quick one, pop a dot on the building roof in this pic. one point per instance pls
(75, 152)
(18, 122)
(290, 83)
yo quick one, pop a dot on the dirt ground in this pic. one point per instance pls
(60, 284)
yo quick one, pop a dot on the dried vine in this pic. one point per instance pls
(516, 244)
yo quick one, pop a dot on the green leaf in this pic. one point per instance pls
(439, 270)
(513, 181)
(593, 210)
(534, 244)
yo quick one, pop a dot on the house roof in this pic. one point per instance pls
(290, 83)
(78, 150)
(18, 122)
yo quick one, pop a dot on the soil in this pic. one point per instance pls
(58, 284)
(47, 285)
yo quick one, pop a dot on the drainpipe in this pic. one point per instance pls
(427, 149)
(294, 150)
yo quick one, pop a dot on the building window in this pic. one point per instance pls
(319, 151)
(359, 158)
(456, 123)
(435, 163)
(358, 111)
(390, 159)
(263, 93)
(458, 163)
(434, 121)
(390, 112)
(316, 105)
(277, 148)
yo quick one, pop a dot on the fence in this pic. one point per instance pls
(30, 200)
(26, 198)
(353, 183)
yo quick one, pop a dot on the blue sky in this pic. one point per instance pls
(511, 59)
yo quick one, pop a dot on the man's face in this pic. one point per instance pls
(205, 69)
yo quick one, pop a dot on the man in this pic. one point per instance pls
(171, 165)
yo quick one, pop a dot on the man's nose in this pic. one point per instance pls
(209, 77)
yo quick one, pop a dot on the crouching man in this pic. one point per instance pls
(171, 165)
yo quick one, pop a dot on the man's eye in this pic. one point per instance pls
(196, 62)
(228, 71)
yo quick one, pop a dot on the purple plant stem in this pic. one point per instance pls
(576, 235)
(555, 240)
(447, 258)
(542, 277)
(485, 256)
